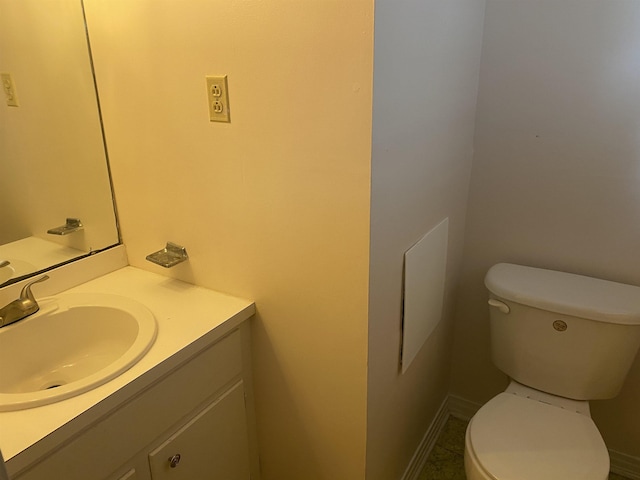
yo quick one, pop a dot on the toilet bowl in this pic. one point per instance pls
(516, 436)
(562, 339)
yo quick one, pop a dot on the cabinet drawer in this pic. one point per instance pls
(214, 444)
(112, 441)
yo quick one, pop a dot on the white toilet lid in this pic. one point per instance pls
(513, 437)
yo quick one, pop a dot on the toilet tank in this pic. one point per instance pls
(565, 334)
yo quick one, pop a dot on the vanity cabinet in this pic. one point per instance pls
(195, 422)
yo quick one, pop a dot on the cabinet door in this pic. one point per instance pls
(213, 445)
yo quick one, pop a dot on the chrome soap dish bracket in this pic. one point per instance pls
(169, 256)
(72, 225)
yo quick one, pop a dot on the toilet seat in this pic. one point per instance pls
(516, 438)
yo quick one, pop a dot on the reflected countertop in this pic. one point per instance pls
(32, 254)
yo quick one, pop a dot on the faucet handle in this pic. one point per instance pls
(26, 294)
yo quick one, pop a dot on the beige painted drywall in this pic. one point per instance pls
(53, 162)
(273, 207)
(555, 179)
(427, 56)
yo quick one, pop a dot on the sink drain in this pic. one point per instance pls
(53, 384)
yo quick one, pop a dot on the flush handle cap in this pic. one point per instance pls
(503, 307)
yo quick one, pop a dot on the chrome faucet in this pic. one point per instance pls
(22, 307)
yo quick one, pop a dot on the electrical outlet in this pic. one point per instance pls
(9, 89)
(218, 97)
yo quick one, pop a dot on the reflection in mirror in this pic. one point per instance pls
(53, 164)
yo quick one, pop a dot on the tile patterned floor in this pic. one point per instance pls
(446, 461)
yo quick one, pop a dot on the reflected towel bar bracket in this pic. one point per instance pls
(169, 256)
(72, 225)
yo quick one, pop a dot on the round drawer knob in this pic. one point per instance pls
(174, 460)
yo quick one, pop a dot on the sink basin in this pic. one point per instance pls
(75, 343)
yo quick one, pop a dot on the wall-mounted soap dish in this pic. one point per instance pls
(169, 256)
(72, 225)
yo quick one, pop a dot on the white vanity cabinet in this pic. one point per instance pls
(194, 422)
(211, 445)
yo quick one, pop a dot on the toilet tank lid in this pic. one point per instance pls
(566, 293)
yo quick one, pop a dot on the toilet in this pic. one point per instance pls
(562, 339)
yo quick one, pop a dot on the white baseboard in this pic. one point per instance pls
(427, 443)
(621, 463)
(461, 407)
(625, 465)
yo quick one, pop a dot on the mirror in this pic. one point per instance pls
(53, 164)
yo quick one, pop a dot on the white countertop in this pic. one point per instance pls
(187, 316)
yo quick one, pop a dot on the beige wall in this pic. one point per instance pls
(555, 180)
(427, 56)
(273, 207)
